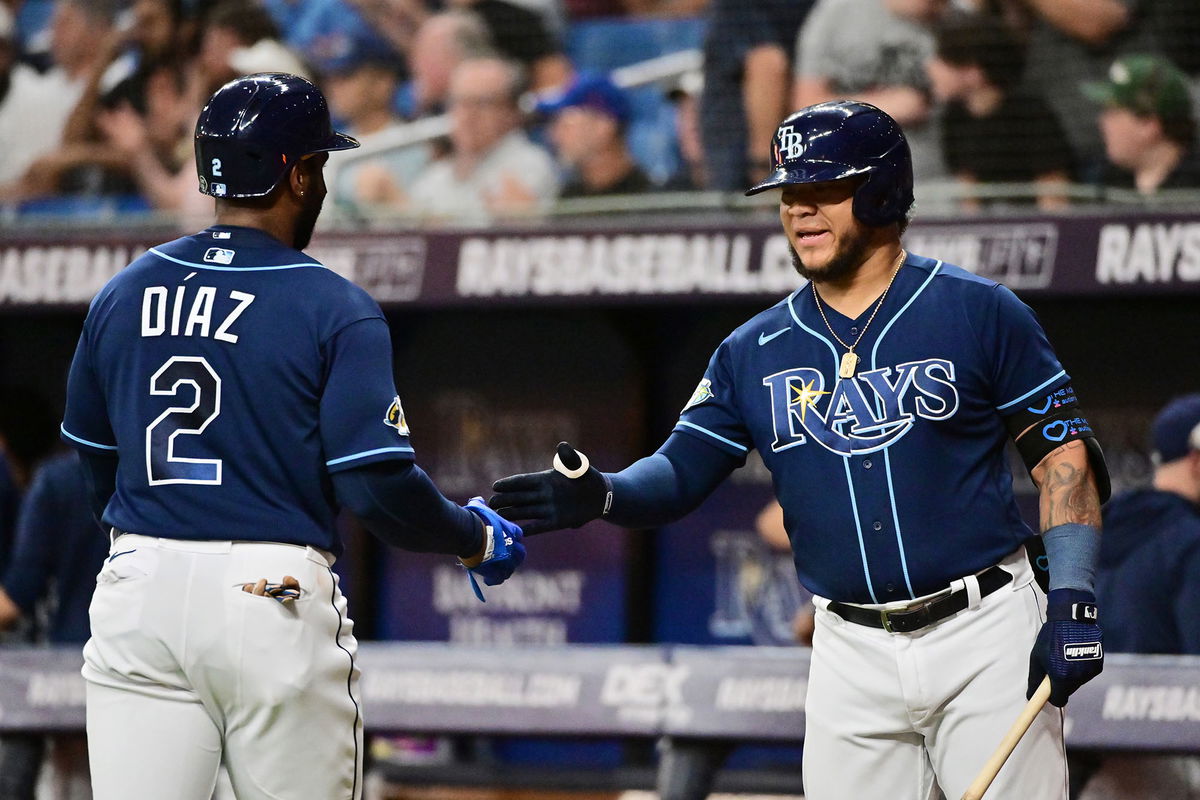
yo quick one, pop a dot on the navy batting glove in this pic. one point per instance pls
(572, 494)
(503, 551)
(1069, 647)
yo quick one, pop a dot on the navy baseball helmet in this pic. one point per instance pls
(842, 139)
(254, 129)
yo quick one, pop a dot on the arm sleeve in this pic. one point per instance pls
(85, 424)
(100, 477)
(362, 420)
(1023, 362)
(399, 504)
(667, 485)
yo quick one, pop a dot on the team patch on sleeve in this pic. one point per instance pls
(395, 417)
(703, 392)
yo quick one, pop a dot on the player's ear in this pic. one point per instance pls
(299, 179)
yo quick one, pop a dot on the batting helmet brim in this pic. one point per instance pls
(339, 141)
(812, 172)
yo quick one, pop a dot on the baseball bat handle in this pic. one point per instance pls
(988, 774)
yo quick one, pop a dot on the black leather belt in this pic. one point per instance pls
(913, 619)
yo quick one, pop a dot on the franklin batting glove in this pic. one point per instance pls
(572, 494)
(503, 551)
(1069, 647)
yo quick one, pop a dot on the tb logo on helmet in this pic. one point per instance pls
(791, 145)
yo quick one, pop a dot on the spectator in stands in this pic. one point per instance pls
(157, 32)
(121, 62)
(443, 42)
(1150, 552)
(229, 26)
(747, 85)
(875, 51)
(155, 146)
(523, 35)
(992, 129)
(324, 30)
(58, 550)
(80, 33)
(360, 87)
(493, 170)
(587, 129)
(1072, 42)
(1149, 583)
(692, 174)
(1148, 126)
(397, 21)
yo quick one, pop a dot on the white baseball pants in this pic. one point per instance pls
(900, 715)
(185, 670)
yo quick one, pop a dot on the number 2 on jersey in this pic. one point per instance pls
(173, 378)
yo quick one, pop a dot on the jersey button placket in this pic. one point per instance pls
(866, 463)
(877, 525)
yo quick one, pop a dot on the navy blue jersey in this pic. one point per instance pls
(1147, 582)
(893, 482)
(58, 544)
(231, 375)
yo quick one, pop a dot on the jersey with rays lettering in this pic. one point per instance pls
(893, 482)
(231, 375)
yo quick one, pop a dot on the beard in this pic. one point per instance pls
(846, 260)
(307, 219)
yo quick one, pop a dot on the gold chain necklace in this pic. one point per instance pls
(850, 358)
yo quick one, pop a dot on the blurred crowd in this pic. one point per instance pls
(476, 110)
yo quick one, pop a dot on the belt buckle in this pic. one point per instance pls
(887, 623)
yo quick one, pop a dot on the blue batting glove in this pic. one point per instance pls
(1069, 647)
(503, 551)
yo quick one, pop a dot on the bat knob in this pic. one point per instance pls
(570, 462)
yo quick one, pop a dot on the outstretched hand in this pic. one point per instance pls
(568, 496)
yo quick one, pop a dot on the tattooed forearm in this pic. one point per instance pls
(1068, 489)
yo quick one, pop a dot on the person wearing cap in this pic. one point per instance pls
(1149, 573)
(1148, 125)
(993, 130)
(1149, 582)
(587, 129)
(44, 102)
(494, 170)
(361, 85)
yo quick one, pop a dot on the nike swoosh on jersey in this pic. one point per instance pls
(763, 338)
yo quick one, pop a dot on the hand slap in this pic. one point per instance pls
(503, 551)
(568, 496)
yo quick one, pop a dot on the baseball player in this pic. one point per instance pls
(228, 394)
(880, 395)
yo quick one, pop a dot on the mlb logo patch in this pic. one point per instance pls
(219, 189)
(219, 255)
